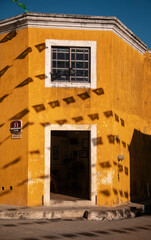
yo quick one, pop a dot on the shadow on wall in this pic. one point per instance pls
(140, 165)
(9, 37)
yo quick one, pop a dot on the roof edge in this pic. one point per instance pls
(70, 21)
(149, 50)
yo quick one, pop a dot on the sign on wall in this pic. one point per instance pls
(16, 128)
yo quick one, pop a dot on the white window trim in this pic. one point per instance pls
(70, 43)
(93, 158)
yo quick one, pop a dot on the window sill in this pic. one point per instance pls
(68, 85)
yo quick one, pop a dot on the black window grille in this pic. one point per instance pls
(70, 64)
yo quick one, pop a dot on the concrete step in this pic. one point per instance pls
(115, 214)
(78, 203)
(88, 212)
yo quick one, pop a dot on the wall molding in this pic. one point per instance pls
(77, 22)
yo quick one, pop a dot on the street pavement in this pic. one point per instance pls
(129, 229)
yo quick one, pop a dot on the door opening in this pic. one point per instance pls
(70, 164)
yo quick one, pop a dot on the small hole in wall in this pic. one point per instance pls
(96, 199)
(2, 188)
(11, 188)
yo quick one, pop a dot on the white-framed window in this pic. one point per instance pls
(70, 63)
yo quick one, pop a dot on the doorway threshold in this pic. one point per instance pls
(60, 200)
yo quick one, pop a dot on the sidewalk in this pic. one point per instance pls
(129, 210)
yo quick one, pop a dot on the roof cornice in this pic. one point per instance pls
(68, 21)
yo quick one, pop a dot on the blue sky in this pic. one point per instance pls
(135, 14)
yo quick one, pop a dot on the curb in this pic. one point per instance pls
(42, 214)
(114, 214)
(77, 213)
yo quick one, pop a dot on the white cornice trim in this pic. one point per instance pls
(77, 22)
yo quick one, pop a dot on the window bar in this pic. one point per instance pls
(89, 64)
(66, 59)
(75, 64)
(51, 64)
(56, 64)
(83, 64)
(69, 64)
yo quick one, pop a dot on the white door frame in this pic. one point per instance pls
(93, 154)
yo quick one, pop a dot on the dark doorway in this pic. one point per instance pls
(140, 165)
(70, 163)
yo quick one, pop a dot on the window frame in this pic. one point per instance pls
(70, 43)
(71, 51)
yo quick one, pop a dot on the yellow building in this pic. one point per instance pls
(81, 87)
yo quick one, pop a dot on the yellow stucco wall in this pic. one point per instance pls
(13, 105)
(122, 73)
